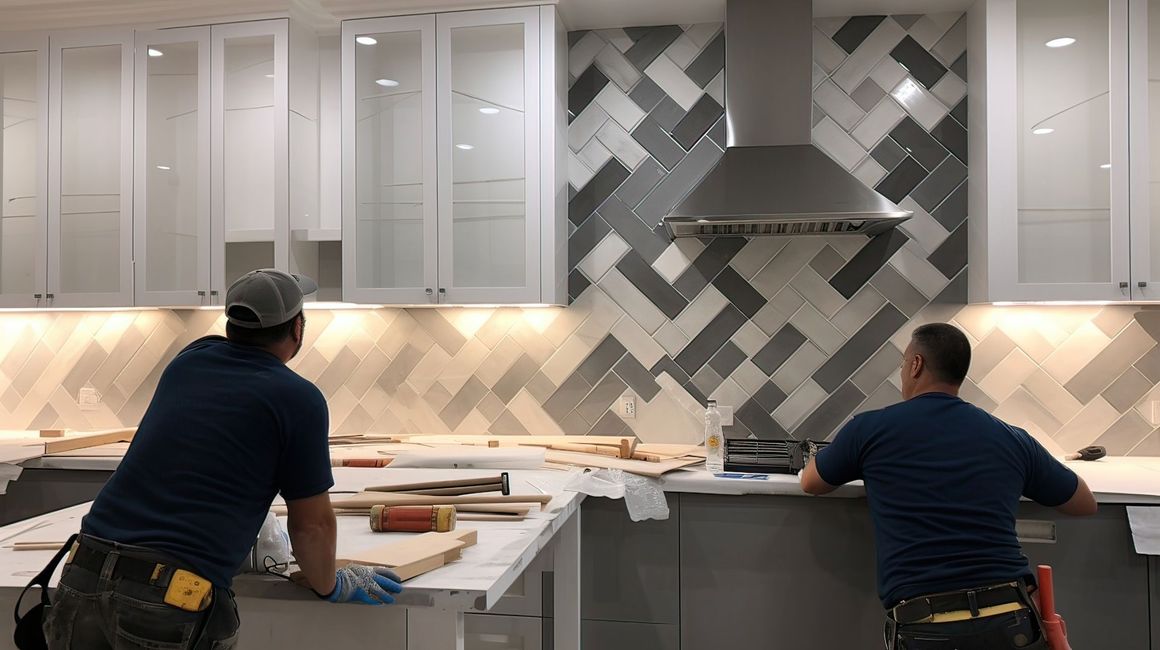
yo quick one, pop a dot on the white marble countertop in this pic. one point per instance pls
(477, 581)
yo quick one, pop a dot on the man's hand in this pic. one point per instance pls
(366, 585)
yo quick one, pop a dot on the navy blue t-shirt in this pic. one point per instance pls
(943, 479)
(229, 427)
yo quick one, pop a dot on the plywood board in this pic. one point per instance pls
(418, 554)
(93, 439)
(644, 468)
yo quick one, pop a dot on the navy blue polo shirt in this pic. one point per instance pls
(229, 427)
(943, 480)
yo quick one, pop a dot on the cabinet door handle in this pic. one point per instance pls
(442, 294)
(1123, 287)
(201, 293)
(38, 297)
(1141, 284)
(430, 294)
(50, 298)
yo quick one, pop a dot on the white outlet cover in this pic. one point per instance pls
(726, 415)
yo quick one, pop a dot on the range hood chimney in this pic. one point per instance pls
(772, 181)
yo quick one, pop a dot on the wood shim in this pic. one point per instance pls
(418, 554)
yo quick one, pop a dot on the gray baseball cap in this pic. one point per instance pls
(268, 295)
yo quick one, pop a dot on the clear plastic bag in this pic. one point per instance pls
(271, 552)
(643, 496)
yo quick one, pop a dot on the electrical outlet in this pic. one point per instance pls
(628, 406)
(726, 415)
(88, 398)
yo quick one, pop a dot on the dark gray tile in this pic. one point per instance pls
(780, 348)
(653, 138)
(1149, 446)
(697, 121)
(959, 67)
(897, 184)
(643, 239)
(1126, 390)
(706, 380)
(709, 62)
(758, 420)
(601, 359)
(830, 414)
(867, 261)
(586, 237)
(949, 302)
(739, 292)
(587, 86)
(667, 114)
(540, 387)
(636, 33)
(953, 136)
(951, 256)
(574, 425)
(900, 292)
(638, 378)
(696, 393)
(577, 283)
(1149, 365)
(646, 93)
(717, 133)
(827, 262)
(567, 396)
(1128, 432)
(1150, 321)
(953, 210)
(507, 425)
(842, 365)
(602, 185)
(941, 182)
(1123, 351)
(574, 37)
(727, 359)
(920, 63)
(515, 378)
(648, 173)
(442, 332)
(708, 265)
(666, 364)
(650, 44)
(609, 425)
(462, 403)
(769, 396)
(684, 177)
(595, 405)
(738, 431)
(703, 346)
(906, 20)
(918, 143)
(888, 154)
(651, 284)
(851, 35)
(868, 94)
(959, 112)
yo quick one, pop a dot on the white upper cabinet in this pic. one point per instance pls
(90, 170)
(172, 241)
(1060, 112)
(23, 171)
(453, 129)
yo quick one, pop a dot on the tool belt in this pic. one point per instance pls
(183, 588)
(962, 605)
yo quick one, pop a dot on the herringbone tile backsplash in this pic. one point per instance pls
(797, 334)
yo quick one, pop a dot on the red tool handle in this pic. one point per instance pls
(1054, 629)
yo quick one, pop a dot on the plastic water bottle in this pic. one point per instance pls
(714, 440)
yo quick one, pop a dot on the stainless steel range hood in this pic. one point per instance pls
(772, 181)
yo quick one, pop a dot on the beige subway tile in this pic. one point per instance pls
(1076, 352)
(1007, 376)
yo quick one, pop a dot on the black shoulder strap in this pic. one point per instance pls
(45, 576)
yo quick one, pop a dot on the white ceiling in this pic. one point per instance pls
(24, 15)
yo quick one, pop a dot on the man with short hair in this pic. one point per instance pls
(943, 480)
(228, 429)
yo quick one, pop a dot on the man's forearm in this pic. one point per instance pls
(314, 546)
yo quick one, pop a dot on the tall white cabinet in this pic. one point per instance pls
(453, 172)
(1061, 111)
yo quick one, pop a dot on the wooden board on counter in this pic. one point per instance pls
(419, 554)
(76, 441)
(642, 467)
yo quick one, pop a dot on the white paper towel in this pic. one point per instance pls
(1145, 524)
(8, 472)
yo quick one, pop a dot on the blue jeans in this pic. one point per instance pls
(91, 612)
(1016, 630)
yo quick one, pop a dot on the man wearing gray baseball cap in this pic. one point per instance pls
(229, 428)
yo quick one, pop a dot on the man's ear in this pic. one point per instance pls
(917, 365)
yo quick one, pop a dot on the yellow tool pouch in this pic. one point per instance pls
(189, 591)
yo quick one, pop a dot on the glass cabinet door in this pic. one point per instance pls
(389, 179)
(250, 150)
(1071, 233)
(90, 170)
(172, 183)
(23, 179)
(489, 214)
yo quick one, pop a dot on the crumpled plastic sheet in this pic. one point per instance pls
(643, 496)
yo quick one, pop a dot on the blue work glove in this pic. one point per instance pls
(366, 585)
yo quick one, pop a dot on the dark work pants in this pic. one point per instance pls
(1016, 630)
(91, 612)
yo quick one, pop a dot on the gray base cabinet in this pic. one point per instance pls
(603, 635)
(1154, 599)
(777, 573)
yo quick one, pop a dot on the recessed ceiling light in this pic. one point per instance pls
(1106, 166)
(1043, 130)
(1062, 41)
(387, 83)
(488, 110)
(365, 40)
(164, 168)
(465, 147)
(155, 52)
